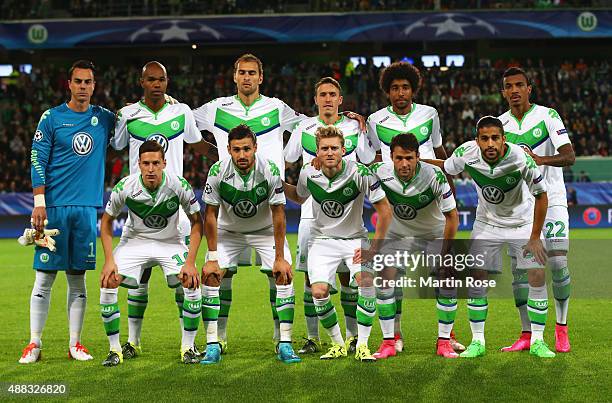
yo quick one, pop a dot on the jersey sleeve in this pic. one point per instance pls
(533, 177)
(202, 117)
(116, 200)
(302, 187)
(369, 184)
(442, 192)
(121, 137)
(289, 118)
(436, 134)
(187, 197)
(293, 149)
(558, 133)
(211, 189)
(42, 142)
(365, 151)
(455, 164)
(277, 193)
(192, 133)
(371, 134)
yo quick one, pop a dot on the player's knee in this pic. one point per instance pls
(44, 280)
(536, 277)
(212, 280)
(558, 263)
(143, 289)
(108, 296)
(320, 291)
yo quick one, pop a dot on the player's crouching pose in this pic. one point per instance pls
(338, 234)
(245, 208)
(153, 199)
(506, 215)
(424, 214)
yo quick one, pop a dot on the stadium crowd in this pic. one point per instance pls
(579, 90)
(36, 9)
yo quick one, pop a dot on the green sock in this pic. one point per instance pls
(348, 300)
(285, 308)
(477, 313)
(447, 311)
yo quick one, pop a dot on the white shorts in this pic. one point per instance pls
(231, 245)
(184, 226)
(325, 255)
(556, 228)
(414, 247)
(301, 250)
(133, 256)
(488, 242)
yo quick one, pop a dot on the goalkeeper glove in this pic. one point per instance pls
(43, 239)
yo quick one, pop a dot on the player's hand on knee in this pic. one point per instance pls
(110, 276)
(363, 255)
(281, 271)
(535, 247)
(211, 273)
(189, 276)
(39, 218)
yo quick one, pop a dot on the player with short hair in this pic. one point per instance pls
(425, 219)
(302, 143)
(401, 83)
(68, 155)
(338, 234)
(506, 215)
(245, 208)
(541, 132)
(153, 198)
(171, 125)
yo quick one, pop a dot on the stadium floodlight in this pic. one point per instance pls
(455, 60)
(25, 68)
(380, 61)
(430, 60)
(407, 59)
(357, 60)
(5, 70)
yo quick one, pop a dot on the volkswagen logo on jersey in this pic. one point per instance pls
(82, 143)
(155, 221)
(332, 208)
(245, 209)
(493, 194)
(161, 139)
(405, 212)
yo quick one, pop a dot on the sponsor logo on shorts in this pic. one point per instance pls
(493, 194)
(405, 211)
(245, 209)
(332, 208)
(155, 221)
(44, 257)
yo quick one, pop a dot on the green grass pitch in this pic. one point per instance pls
(250, 371)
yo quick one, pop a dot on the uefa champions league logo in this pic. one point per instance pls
(38, 135)
(82, 143)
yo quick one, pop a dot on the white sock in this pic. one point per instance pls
(39, 304)
(210, 325)
(77, 304)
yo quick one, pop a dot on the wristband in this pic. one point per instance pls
(39, 200)
(213, 255)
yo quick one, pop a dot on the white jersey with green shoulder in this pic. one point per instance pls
(417, 204)
(303, 144)
(503, 188)
(268, 117)
(543, 132)
(338, 202)
(171, 126)
(422, 121)
(152, 215)
(244, 200)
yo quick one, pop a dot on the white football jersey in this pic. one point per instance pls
(417, 204)
(503, 188)
(303, 144)
(422, 121)
(268, 117)
(244, 200)
(170, 126)
(543, 132)
(338, 202)
(152, 215)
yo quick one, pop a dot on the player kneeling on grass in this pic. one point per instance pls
(338, 234)
(153, 199)
(424, 214)
(245, 208)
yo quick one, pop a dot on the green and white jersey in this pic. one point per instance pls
(303, 144)
(338, 202)
(152, 215)
(543, 132)
(244, 200)
(422, 121)
(170, 126)
(268, 117)
(417, 204)
(503, 188)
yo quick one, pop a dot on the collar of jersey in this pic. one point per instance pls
(405, 184)
(73, 111)
(403, 118)
(340, 172)
(150, 110)
(247, 107)
(337, 122)
(154, 194)
(520, 122)
(493, 165)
